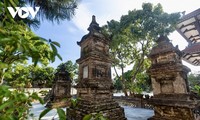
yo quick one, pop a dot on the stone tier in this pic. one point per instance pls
(109, 108)
(172, 113)
(58, 104)
(173, 107)
(96, 83)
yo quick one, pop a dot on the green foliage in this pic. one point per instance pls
(140, 84)
(53, 10)
(94, 116)
(71, 68)
(42, 76)
(18, 44)
(44, 92)
(193, 80)
(74, 102)
(197, 89)
(15, 104)
(134, 35)
(117, 84)
(62, 10)
(23, 75)
(61, 113)
(44, 112)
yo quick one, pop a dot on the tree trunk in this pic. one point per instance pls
(124, 83)
(132, 93)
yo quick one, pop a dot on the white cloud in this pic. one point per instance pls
(105, 10)
(83, 17)
(72, 29)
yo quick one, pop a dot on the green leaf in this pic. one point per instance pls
(4, 88)
(61, 114)
(6, 40)
(43, 39)
(39, 43)
(44, 112)
(35, 38)
(35, 61)
(6, 104)
(74, 102)
(41, 100)
(52, 57)
(55, 43)
(34, 49)
(3, 65)
(87, 117)
(102, 118)
(36, 97)
(54, 49)
(13, 3)
(58, 55)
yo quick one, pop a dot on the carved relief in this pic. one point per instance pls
(99, 71)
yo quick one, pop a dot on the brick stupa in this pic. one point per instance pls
(95, 88)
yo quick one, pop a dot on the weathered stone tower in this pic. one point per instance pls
(172, 100)
(60, 95)
(95, 85)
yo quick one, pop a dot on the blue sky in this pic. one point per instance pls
(67, 33)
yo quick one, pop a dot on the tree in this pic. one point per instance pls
(194, 82)
(71, 68)
(24, 75)
(18, 76)
(142, 82)
(54, 10)
(117, 84)
(42, 76)
(18, 44)
(134, 35)
(50, 10)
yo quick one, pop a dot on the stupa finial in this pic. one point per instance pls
(94, 26)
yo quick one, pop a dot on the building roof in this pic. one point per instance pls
(189, 28)
(93, 28)
(164, 46)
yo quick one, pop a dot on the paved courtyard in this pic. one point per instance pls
(130, 112)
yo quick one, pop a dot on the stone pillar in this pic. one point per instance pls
(94, 88)
(60, 93)
(171, 100)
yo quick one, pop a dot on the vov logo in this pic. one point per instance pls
(23, 12)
